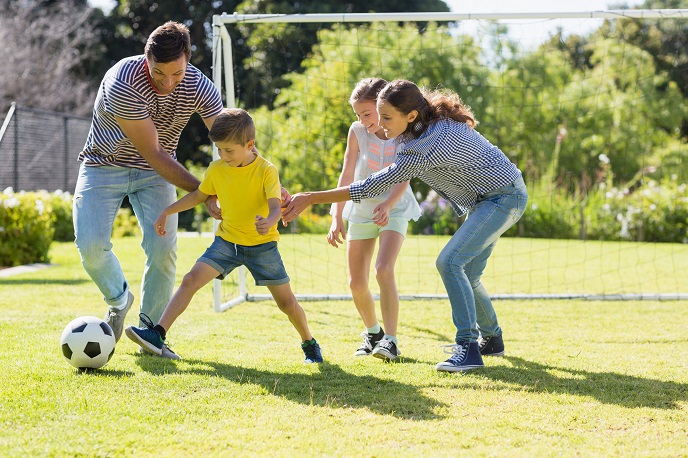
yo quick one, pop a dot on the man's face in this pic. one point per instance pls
(166, 77)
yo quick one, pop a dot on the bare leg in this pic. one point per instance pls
(199, 275)
(360, 255)
(287, 303)
(390, 245)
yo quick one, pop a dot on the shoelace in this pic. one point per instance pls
(457, 351)
(386, 344)
(366, 340)
(145, 319)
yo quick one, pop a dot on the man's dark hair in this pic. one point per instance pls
(168, 43)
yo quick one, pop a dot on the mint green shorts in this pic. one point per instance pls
(363, 231)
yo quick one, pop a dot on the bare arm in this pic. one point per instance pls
(185, 203)
(263, 225)
(301, 201)
(337, 232)
(144, 136)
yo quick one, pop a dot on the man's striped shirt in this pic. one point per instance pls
(127, 92)
(452, 158)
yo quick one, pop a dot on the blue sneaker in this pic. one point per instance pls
(465, 356)
(312, 351)
(491, 346)
(148, 338)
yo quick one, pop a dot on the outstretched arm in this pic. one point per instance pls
(185, 203)
(301, 201)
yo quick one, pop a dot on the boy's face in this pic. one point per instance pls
(234, 154)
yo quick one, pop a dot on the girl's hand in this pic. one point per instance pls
(336, 230)
(159, 225)
(381, 214)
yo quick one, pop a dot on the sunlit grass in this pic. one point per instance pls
(581, 378)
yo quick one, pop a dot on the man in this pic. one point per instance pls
(142, 105)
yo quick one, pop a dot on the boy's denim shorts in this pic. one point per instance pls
(263, 261)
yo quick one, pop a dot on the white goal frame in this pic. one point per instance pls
(223, 67)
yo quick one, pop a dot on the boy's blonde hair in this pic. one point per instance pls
(233, 125)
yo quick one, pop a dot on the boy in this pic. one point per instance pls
(247, 187)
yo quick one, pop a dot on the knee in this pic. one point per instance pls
(358, 285)
(384, 273)
(449, 262)
(92, 250)
(288, 305)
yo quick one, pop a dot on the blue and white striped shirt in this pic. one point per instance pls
(127, 92)
(452, 158)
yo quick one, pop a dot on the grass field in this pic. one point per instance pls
(580, 378)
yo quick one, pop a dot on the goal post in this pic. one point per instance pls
(549, 259)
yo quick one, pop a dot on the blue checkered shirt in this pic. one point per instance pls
(452, 158)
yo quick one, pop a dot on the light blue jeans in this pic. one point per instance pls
(97, 198)
(462, 261)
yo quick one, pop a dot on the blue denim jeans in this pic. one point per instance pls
(462, 261)
(97, 198)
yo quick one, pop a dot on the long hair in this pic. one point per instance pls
(366, 90)
(168, 43)
(431, 106)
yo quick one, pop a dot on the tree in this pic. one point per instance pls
(46, 52)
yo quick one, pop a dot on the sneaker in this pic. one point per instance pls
(465, 356)
(115, 318)
(148, 337)
(166, 352)
(386, 349)
(312, 351)
(369, 343)
(491, 346)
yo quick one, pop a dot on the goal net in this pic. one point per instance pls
(593, 115)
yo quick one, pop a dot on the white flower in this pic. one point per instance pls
(11, 202)
(604, 158)
(9, 191)
(653, 207)
(534, 206)
(40, 207)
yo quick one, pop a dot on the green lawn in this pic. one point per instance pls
(581, 378)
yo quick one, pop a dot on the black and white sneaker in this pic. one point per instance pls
(386, 349)
(491, 346)
(369, 343)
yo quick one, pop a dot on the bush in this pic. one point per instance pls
(26, 227)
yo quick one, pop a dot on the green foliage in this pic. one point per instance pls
(26, 227)
(126, 224)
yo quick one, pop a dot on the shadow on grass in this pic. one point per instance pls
(42, 281)
(606, 387)
(329, 387)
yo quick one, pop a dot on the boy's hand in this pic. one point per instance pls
(213, 207)
(285, 197)
(159, 225)
(263, 225)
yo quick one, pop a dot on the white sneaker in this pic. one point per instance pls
(115, 318)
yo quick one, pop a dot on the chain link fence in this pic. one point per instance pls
(39, 149)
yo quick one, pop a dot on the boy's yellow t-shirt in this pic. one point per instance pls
(243, 193)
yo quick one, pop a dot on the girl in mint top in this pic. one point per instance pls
(384, 217)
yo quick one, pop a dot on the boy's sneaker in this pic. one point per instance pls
(312, 351)
(491, 346)
(166, 352)
(149, 339)
(369, 343)
(386, 349)
(465, 356)
(115, 318)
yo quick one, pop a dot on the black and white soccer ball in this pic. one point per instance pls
(88, 343)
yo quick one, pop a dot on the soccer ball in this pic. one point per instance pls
(88, 343)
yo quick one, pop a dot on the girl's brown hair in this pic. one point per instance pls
(431, 106)
(366, 90)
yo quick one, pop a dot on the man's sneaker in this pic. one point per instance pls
(386, 349)
(115, 318)
(465, 356)
(312, 351)
(491, 346)
(369, 343)
(166, 353)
